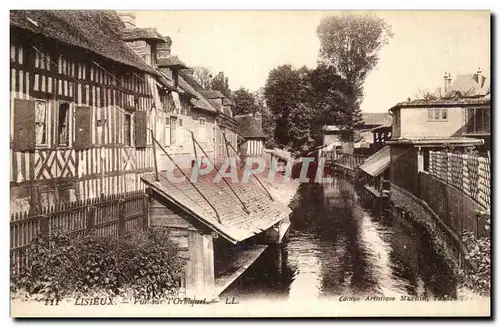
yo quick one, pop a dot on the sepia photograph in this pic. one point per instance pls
(181, 163)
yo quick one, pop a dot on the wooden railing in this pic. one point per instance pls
(469, 173)
(350, 161)
(113, 215)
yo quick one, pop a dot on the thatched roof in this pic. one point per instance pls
(145, 34)
(249, 126)
(93, 30)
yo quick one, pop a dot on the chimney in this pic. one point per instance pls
(447, 83)
(163, 49)
(128, 19)
(258, 118)
(478, 77)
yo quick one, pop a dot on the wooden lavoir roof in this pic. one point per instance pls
(231, 220)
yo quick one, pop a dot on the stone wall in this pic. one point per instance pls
(408, 206)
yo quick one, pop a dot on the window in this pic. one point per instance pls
(202, 131)
(173, 130)
(437, 114)
(41, 130)
(167, 131)
(478, 121)
(127, 130)
(62, 125)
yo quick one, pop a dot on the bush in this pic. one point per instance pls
(144, 265)
(479, 255)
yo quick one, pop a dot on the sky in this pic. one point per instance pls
(246, 45)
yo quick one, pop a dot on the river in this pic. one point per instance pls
(336, 247)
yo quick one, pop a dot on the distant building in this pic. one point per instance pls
(381, 122)
(250, 129)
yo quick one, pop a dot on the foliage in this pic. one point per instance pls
(221, 83)
(284, 93)
(268, 123)
(145, 264)
(424, 94)
(244, 102)
(203, 76)
(349, 43)
(479, 254)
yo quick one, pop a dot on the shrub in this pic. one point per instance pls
(478, 278)
(145, 264)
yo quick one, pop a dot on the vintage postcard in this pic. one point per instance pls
(250, 163)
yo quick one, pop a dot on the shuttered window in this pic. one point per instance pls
(83, 128)
(127, 131)
(173, 130)
(24, 138)
(140, 129)
(41, 122)
(63, 124)
(167, 131)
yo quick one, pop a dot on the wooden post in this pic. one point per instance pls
(154, 156)
(44, 225)
(145, 209)
(121, 217)
(91, 220)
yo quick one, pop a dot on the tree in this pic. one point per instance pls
(244, 102)
(221, 83)
(283, 93)
(350, 44)
(327, 95)
(426, 94)
(268, 123)
(203, 76)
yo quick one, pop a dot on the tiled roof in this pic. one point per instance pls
(378, 162)
(93, 30)
(231, 221)
(227, 102)
(171, 61)
(484, 100)
(144, 34)
(212, 94)
(429, 141)
(249, 126)
(466, 85)
(377, 118)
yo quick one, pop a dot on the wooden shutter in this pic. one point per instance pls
(140, 129)
(24, 125)
(83, 128)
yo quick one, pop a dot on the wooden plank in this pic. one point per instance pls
(208, 266)
(240, 262)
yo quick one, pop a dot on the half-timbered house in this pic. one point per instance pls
(89, 91)
(80, 99)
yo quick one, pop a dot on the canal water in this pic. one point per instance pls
(336, 247)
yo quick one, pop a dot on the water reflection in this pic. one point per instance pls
(337, 247)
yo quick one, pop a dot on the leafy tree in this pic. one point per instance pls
(268, 123)
(283, 93)
(244, 102)
(203, 76)
(221, 83)
(350, 44)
